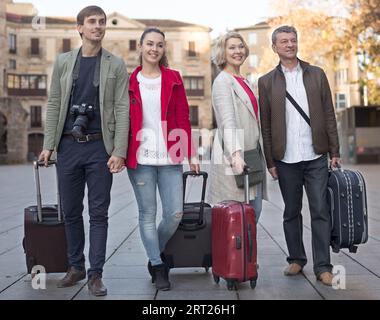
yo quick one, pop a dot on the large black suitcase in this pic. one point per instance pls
(347, 200)
(45, 239)
(190, 246)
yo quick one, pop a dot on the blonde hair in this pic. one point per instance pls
(220, 49)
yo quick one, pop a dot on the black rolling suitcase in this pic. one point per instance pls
(190, 246)
(45, 239)
(347, 200)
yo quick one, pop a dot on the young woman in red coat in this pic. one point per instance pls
(159, 140)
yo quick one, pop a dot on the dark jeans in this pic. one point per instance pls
(79, 164)
(313, 175)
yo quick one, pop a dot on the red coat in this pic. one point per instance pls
(174, 115)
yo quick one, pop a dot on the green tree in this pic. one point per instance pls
(363, 35)
(317, 32)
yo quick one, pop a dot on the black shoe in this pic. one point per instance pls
(161, 276)
(150, 268)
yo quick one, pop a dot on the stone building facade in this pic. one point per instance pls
(31, 44)
(13, 127)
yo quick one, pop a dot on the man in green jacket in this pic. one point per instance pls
(87, 123)
(299, 130)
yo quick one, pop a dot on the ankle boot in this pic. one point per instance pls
(161, 276)
(150, 269)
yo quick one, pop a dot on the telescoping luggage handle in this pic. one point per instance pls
(247, 170)
(36, 165)
(203, 196)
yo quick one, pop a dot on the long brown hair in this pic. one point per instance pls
(164, 60)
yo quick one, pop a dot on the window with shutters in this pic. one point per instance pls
(132, 45)
(12, 43)
(191, 52)
(35, 117)
(66, 45)
(12, 64)
(194, 86)
(34, 46)
(194, 116)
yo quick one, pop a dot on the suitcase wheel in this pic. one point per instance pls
(231, 285)
(216, 278)
(252, 283)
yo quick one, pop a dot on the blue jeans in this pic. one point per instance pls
(79, 164)
(257, 203)
(145, 179)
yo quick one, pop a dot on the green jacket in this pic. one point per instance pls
(113, 101)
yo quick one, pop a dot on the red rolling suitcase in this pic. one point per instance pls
(45, 239)
(234, 246)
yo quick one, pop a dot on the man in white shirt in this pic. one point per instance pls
(299, 130)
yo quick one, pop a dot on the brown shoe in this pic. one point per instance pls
(326, 278)
(71, 278)
(96, 286)
(292, 269)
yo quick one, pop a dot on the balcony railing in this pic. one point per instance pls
(195, 92)
(27, 92)
(26, 84)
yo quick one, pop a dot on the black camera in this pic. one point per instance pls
(81, 115)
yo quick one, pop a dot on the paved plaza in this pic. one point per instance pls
(125, 272)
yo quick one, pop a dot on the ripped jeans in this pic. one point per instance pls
(145, 179)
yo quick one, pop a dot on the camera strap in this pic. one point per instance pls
(96, 79)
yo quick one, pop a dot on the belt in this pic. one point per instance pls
(86, 138)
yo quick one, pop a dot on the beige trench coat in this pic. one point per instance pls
(238, 128)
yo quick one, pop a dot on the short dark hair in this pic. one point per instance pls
(89, 11)
(286, 29)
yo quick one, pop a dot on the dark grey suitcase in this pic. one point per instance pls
(347, 200)
(190, 246)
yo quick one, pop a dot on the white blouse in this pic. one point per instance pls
(153, 149)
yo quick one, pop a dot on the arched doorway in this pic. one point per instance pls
(35, 143)
(3, 134)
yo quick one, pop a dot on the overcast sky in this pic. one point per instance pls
(217, 14)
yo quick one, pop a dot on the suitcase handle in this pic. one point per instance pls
(203, 196)
(250, 243)
(247, 170)
(36, 165)
(338, 167)
(41, 163)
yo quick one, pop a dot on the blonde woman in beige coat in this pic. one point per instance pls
(236, 112)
